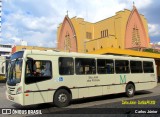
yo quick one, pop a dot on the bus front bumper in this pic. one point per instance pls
(18, 98)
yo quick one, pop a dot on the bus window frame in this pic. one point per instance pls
(34, 80)
(113, 72)
(83, 67)
(141, 67)
(70, 66)
(128, 71)
(152, 66)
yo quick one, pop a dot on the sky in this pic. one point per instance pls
(36, 21)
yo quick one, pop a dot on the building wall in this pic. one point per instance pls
(120, 25)
(19, 48)
(158, 67)
(122, 31)
(5, 50)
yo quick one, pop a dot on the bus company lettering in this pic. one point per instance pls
(93, 79)
(122, 79)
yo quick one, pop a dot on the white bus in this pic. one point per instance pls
(36, 76)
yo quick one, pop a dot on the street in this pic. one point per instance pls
(141, 103)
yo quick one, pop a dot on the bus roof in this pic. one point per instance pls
(74, 54)
(126, 52)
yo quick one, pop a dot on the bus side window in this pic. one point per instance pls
(85, 66)
(105, 66)
(46, 71)
(110, 66)
(66, 66)
(34, 71)
(136, 66)
(148, 67)
(122, 66)
(78, 67)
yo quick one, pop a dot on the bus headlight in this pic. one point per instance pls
(19, 90)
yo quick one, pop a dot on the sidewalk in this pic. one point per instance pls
(156, 90)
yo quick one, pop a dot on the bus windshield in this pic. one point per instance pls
(14, 72)
(15, 69)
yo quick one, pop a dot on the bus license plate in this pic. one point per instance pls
(10, 97)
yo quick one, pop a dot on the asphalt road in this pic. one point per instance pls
(114, 105)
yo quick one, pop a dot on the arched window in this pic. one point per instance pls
(136, 37)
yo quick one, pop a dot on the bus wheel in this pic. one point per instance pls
(130, 90)
(62, 98)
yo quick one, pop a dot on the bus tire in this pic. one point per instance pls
(62, 98)
(130, 90)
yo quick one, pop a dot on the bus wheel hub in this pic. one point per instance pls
(130, 91)
(62, 98)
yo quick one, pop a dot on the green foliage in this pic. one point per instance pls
(151, 50)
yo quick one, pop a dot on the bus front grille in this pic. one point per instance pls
(11, 90)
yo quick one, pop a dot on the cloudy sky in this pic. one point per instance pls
(36, 21)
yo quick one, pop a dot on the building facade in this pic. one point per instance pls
(5, 50)
(125, 30)
(22, 47)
